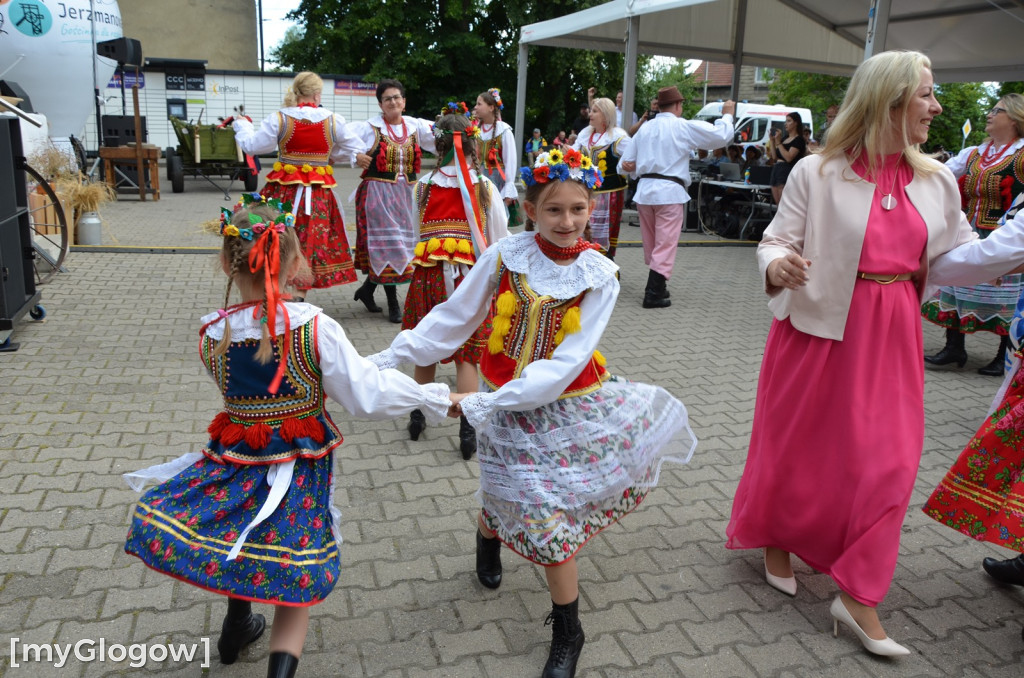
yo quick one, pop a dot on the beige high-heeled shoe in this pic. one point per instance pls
(785, 584)
(887, 647)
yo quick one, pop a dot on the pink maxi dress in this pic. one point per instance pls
(839, 425)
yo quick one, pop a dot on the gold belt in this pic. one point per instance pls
(883, 279)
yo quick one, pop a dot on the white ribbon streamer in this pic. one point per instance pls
(279, 477)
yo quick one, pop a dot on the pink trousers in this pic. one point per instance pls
(659, 228)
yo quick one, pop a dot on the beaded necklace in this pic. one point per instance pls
(989, 157)
(553, 251)
(395, 137)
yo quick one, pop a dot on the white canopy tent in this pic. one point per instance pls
(966, 40)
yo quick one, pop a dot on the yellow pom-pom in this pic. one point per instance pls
(330, 170)
(291, 169)
(600, 359)
(465, 247)
(559, 336)
(420, 248)
(433, 245)
(450, 245)
(495, 343)
(506, 304)
(501, 324)
(278, 166)
(307, 168)
(321, 171)
(571, 321)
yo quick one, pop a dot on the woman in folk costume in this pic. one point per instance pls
(991, 176)
(251, 516)
(385, 216)
(460, 214)
(982, 495)
(309, 139)
(566, 449)
(604, 143)
(498, 154)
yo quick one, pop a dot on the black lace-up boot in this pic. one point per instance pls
(240, 628)
(417, 423)
(952, 352)
(566, 640)
(394, 310)
(365, 295)
(282, 665)
(488, 560)
(467, 438)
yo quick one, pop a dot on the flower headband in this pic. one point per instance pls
(256, 223)
(496, 95)
(455, 108)
(572, 165)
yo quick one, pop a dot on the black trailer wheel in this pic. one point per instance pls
(177, 173)
(251, 179)
(169, 153)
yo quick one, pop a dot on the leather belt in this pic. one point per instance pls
(883, 279)
(654, 175)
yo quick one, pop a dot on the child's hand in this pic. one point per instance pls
(455, 411)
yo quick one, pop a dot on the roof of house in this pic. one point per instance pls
(718, 75)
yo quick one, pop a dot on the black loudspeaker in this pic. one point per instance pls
(125, 51)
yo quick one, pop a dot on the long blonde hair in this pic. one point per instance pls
(305, 85)
(606, 107)
(880, 85)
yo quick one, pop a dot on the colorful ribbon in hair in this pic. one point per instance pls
(469, 199)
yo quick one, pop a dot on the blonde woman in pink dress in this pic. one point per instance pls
(864, 231)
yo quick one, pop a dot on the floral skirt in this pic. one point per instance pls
(553, 477)
(385, 231)
(981, 308)
(982, 494)
(185, 527)
(606, 219)
(427, 291)
(321, 232)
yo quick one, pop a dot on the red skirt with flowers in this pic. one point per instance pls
(427, 291)
(982, 495)
(321, 232)
(186, 526)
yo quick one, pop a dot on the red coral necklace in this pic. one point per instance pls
(553, 251)
(394, 137)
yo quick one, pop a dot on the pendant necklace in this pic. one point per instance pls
(888, 202)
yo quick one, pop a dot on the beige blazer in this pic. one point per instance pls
(823, 217)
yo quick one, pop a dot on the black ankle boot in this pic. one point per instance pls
(656, 294)
(566, 640)
(282, 665)
(952, 352)
(467, 438)
(488, 560)
(417, 423)
(240, 628)
(1009, 571)
(394, 310)
(998, 364)
(365, 295)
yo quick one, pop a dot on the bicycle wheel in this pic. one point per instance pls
(48, 224)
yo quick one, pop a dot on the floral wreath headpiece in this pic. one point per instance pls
(459, 108)
(256, 223)
(568, 166)
(496, 95)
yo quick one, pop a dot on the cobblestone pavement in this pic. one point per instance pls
(110, 382)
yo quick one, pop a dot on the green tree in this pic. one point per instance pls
(667, 75)
(808, 90)
(960, 101)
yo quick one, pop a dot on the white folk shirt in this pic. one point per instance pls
(663, 145)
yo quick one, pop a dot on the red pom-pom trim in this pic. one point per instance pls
(217, 426)
(232, 434)
(258, 435)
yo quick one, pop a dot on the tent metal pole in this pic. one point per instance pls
(878, 27)
(629, 77)
(519, 130)
(737, 42)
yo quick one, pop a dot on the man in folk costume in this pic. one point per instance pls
(660, 157)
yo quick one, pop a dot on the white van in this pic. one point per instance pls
(754, 122)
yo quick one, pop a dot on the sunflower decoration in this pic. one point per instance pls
(556, 165)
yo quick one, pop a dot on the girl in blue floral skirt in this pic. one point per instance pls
(251, 515)
(565, 449)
